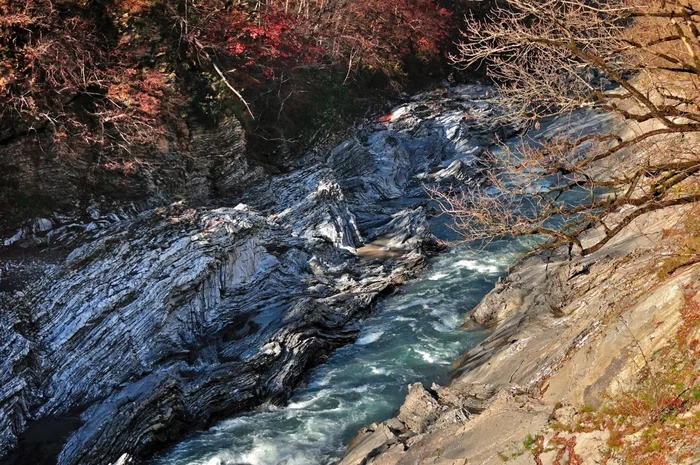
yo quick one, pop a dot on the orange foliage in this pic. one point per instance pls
(114, 71)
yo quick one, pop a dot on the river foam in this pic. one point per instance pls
(413, 336)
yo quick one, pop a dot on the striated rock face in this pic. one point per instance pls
(164, 321)
(16, 392)
(568, 332)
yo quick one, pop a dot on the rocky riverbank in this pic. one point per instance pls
(591, 360)
(163, 321)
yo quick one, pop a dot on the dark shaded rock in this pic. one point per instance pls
(162, 321)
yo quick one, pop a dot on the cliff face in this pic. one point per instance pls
(163, 321)
(569, 335)
(577, 369)
(40, 177)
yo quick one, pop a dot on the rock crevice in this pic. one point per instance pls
(161, 322)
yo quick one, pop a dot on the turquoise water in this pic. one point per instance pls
(412, 336)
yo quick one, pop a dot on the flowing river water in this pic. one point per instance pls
(412, 336)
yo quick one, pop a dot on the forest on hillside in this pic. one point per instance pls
(114, 73)
(100, 100)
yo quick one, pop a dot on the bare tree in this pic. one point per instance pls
(638, 60)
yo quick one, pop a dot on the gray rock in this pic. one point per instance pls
(42, 225)
(163, 321)
(420, 409)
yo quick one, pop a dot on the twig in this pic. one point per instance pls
(238, 94)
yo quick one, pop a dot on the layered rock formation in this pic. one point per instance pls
(197, 163)
(163, 321)
(570, 335)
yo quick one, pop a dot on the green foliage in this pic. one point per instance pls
(503, 456)
(587, 409)
(529, 442)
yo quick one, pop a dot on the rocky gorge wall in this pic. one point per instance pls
(583, 365)
(162, 321)
(41, 177)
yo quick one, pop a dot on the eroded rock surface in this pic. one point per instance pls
(569, 332)
(164, 321)
(194, 161)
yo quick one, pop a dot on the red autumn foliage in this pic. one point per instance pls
(254, 43)
(384, 32)
(113, 73)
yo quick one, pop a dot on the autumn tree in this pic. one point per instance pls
(115, 73)
(639, 61)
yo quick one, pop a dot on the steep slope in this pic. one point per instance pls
(591, 360)
(568, 336)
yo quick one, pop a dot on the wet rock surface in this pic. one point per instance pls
(162, 321)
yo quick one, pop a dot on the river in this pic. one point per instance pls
(413, 335)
